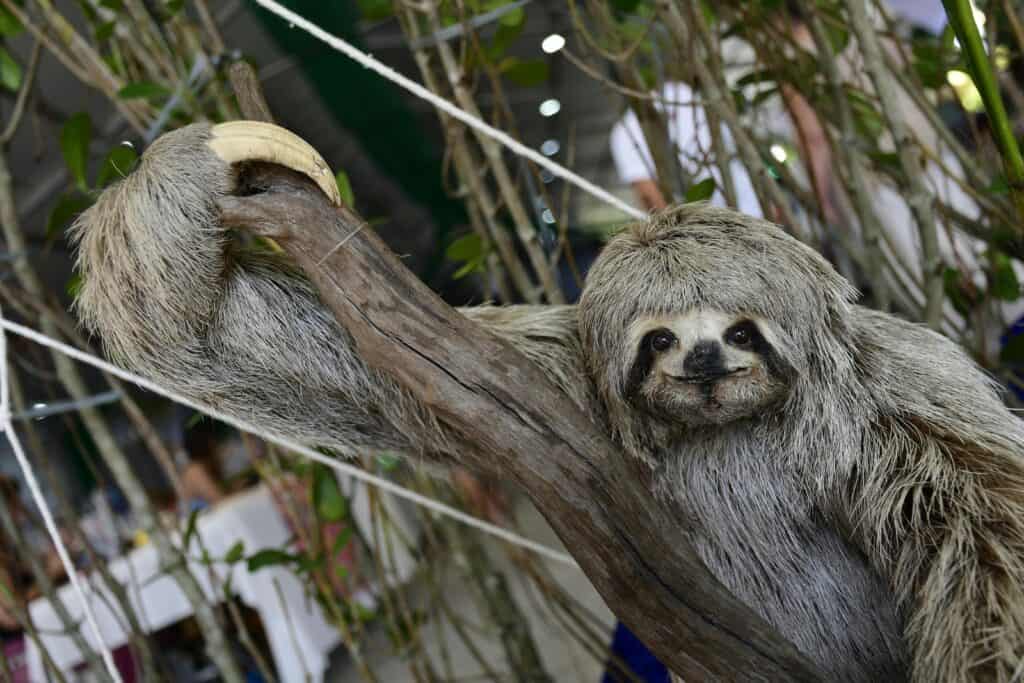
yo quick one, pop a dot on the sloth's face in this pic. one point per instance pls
(705, 367)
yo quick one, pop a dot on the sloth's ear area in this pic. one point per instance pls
(238, 142)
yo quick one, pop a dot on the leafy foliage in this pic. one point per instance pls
(75, 138)
(700, 191)
(468, 250)
(118, 164)
(10, 71)
(330, 504)
(345, 189)
(143, 90)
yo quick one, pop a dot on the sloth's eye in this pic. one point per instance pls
(662, 340)
(741, 335)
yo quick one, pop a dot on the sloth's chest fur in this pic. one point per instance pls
(755, 528)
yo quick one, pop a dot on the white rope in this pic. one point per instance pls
(344, 468)
(452, 110)
(44, 509)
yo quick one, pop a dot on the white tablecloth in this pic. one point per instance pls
(300, 638)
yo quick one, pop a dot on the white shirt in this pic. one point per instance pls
(691, 135)
(929, 15)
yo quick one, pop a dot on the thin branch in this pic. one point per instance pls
(23, 94)
(917, 194)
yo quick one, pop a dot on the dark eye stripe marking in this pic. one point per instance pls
(642, 363)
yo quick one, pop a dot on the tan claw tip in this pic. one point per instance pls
(239, 141)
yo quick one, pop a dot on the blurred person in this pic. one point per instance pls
(199, 463)
(16, 580)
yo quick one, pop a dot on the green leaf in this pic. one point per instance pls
(328, 501)
(468, 268)
(763, 96)
(838, 37)
(268, 557)
(74, 143)
(525, 72)
(342, 540)
(190, 530)
(466, 248)
(868, 120)
(143, 90)
(64, 211)
(1003, 283)
(759, 76)
(888, 162)
(115, 5)
(700, 191)
(388, 461)
(10, 71)
(931, 59)
(513, 18)
(708, 9)
(172, 7)
(345, 189)
(998, 186)
(363, 614)
(105, 30)
(306, 564)
(470, 250)
(74, 286)
(1012, 352)
(625, 6)
(504, 36)
(9, 24)
(957, 291)
(235, 553)
(375, 10)
(117, 165)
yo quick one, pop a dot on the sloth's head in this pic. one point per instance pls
(702, 315)
(706, 366)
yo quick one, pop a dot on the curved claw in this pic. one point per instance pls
(238, 141)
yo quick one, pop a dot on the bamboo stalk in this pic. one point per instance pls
(961, 18)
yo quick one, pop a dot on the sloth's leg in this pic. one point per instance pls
(248, 335)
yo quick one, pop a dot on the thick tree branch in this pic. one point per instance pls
(631, 547)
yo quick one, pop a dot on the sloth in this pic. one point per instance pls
(854, 478)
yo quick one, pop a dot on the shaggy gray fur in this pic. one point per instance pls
(875, 516)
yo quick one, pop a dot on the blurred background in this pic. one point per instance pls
(881, 132)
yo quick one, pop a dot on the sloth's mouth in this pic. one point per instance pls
(710, 377)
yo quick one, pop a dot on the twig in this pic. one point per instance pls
(247, 89)
(717, 100)
(468, 168)
(918, 196)
(856, 165)
(23, 93)
(493, 156)
(80, 55)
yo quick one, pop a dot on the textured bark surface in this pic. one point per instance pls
(632, 548)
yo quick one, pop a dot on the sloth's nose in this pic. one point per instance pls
(704, 359)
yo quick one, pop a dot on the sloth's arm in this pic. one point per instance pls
(939, 505)
(169, 299)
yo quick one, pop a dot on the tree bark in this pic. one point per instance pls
(631, 547)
